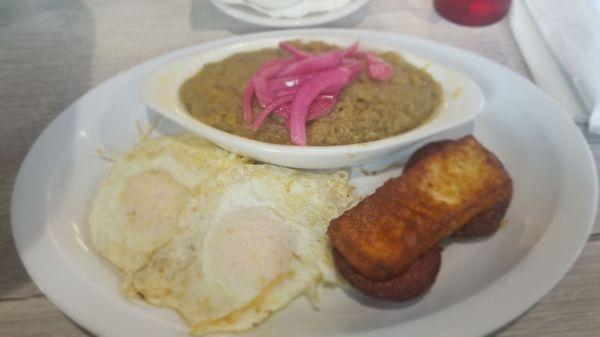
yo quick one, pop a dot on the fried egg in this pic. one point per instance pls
(138, 206)
(252, 240)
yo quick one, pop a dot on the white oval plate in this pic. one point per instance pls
(482, 285)
(247, 14)
(462, 101)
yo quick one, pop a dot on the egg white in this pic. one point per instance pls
(137, 208)
(252, 240)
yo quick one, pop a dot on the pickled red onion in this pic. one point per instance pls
(247, 102)
(288, 81)
(265, 113)
(314, 63)
(378, 68)
(306, 86)
(322, 105)
(290, 48)
(335, 77)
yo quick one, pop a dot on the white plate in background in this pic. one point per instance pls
(250, 15)
(481, 286)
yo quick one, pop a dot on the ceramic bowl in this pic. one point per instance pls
(462, 101)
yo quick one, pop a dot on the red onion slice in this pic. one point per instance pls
(352, 50)
(283, 110)
(247, 101)
(286, 92)
(314, 63)
(293, 50)
(289, 81)
(267, 110)
(260, 88)
(338, 76)
(273, 67)
(321, 106)
(378, 68)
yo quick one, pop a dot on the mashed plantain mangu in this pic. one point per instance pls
(367, 110)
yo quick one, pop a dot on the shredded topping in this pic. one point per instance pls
(306, 86)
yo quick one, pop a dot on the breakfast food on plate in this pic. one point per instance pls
(312, 93)
(414, 281)
(226, 242)
(483, 224)
(255, 239)
(137, 207)
(444, 187)
(222, 241)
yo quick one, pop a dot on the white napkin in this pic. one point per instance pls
(560, 41)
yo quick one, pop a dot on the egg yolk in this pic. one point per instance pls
(246, 249)
(153, 201)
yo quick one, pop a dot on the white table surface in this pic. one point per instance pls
(53, 51)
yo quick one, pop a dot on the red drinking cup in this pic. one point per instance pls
(472, 12)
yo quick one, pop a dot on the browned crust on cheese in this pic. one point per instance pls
(426, 150)
(484, 224)
(444, 186)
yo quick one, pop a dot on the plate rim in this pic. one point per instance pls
(265, 21)
(483, 326)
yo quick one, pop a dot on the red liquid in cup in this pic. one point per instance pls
(472, 12)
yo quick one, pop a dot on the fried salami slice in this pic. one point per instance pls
(410, 284)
